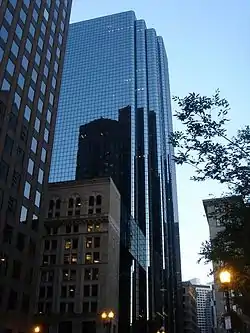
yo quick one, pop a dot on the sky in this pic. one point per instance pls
(208, 47)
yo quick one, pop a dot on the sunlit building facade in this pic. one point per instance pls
(115, 63)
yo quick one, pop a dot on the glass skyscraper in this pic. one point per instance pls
(113, 64)
(32, 44)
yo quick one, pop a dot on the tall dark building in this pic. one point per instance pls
(32, 45)
(123, 69)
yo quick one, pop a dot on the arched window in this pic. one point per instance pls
(58, 204)
(91, 200)
(99, 200)
(71, 203)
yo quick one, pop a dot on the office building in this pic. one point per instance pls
(189, 308)
(79, 276)
(32, 44)
(215, 210)
(121, 79)
(205, 308)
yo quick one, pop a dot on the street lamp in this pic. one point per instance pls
(225, 279)
(37, 329)
(107, 318)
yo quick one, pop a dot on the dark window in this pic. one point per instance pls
(70, 213)
(20, 241)
(68, 229)
(87, 291)
(16, 179)
(12, 121)
(62, 307)
(77, 212)
(75, 243)
(47, 245)
(50, 276)
(97, 242)
(45, 260)
(96, 257)
(91, 200)
(32, 247)
(95, 274)
(99, 200)
(57, 214)
(93, 307)
(12, 303)
(53, 259)
(71, 307)
(87, 274)
(72, 290)
(54, 244)
(7, 234)
(16, 272)
(12, 205)
(49, 292)
(24, 134)
(85, 307)
(48, 306)
(90, 211)
(42, 292)
(63, 291)
(76, 228)
(94, 290)
(71, 203)
(78, 202)
(20, 155)
(4, 169)
(51, 204)
(40, 307)
(25, 303)
(58, 204)
(8, 145)
(98, 210)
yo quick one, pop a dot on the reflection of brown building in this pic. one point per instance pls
(79, 275)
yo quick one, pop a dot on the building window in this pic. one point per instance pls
(34, 145)
(37, 125)
(4, 34)
(31, 94)
(5, 85)
(88, 258)
(14, 48)
(85, 307)
(23, 16)
(89, 242)
(25, 62)
(43, 155)
(91, 200)
(32, 30)
(97, 242)
(99, 200)
(40, 176)
(37, 199)
(96, 257)
(27, 189)
(8, 16)
(69, 275)
(23, 215)
(21, 80)
(48, 117)
(93, 307)
(30, 166)
(86, 290)
(27, 113)
(94, 290)
(10, 67)
(43, 87)
(17, 100)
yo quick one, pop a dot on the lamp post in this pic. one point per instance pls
(225, 279)
(107, 318)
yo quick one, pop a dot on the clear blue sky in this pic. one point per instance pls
(208, 47)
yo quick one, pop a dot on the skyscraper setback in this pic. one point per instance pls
(32, 44)
(114, 119)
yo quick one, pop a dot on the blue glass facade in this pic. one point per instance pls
(113, 62)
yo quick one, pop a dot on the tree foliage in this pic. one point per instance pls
(204, 143)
